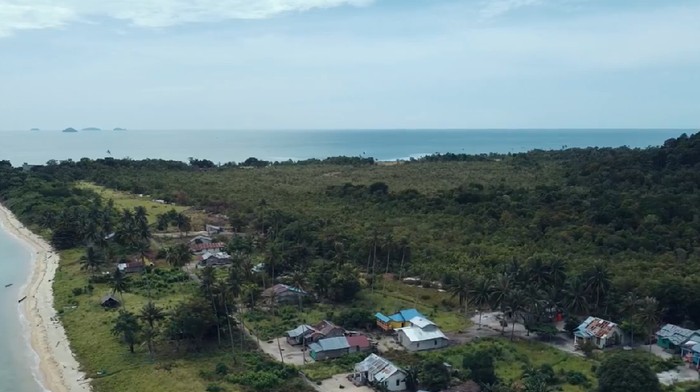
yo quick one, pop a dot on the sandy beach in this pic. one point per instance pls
(59, 368)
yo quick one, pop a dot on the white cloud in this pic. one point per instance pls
(28, 15)
(41, 14)
(495, 8)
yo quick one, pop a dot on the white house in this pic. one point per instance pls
(602, 333)
(375, 370)
(423, 334)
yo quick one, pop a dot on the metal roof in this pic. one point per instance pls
(299, 331)
(378, 367)
(595, 327)
(421, 322)
(415, 334)
(330, 344)
(281, 288)
(405, 315)
(675, 334)
(382, 317)
(358, 341)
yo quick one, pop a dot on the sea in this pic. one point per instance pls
(18, 363)
(222, 146)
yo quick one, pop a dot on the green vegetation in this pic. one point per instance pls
(609, 232)
(622, 373)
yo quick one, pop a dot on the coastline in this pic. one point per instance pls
(58, 368)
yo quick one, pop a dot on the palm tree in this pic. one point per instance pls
(515, 304)
(221, 287)
(178, 255)
(538, 272)
(151, 314)
(120, 283)
(459, 287)
(480, 294)
(298, 280)
(598, 283)
(649, 314)
(91, 260)
(576, 295)
(557, 272)
(128, 327)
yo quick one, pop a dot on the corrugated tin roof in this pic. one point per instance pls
(330, 344)
(378, 367)
(421, 322)
(675, 334)
(299, 331)
(416, 334)
(382, 317)
(595, 327)
(281, 288)
(405, 315)
(205, 246)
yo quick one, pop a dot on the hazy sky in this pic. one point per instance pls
(241, 64)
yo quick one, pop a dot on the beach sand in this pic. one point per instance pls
(58, 367)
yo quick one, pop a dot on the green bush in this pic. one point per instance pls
(576, 378)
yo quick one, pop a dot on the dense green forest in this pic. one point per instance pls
(626, 218)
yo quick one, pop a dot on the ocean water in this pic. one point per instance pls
(221, 146)
(17, 362)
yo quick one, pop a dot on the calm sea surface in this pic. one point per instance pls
(222, 146)
(17, 360)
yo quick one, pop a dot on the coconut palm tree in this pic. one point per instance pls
(557, 272)
(178, 255)
(151, 314)
(128, 327)
(459, 287)
(480, 295)
(598, 284)
(649, 314)
(299, 280)
(576, 295)
(119, 284)
(516, 303)
(91, 260)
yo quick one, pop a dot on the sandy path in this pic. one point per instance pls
(59, 369)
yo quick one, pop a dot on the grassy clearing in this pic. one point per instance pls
(108, 361)
(394, 296)
(126, 200)
(323, 370)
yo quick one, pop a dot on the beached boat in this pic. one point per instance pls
(8, 285)
(22, 299)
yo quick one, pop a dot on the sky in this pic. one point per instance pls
(347, 64)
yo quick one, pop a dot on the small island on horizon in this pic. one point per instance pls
(91, 129)
(70, 130)
(119, 129)
(35, 129)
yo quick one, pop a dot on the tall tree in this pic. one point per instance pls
(480, 295)
(178, 255)
(151, 314)
(92, 260)
(459, 287)
(300, 281)
(649, 315)
(127, 326)
(598, 284)
(624, 372)
(119, 283)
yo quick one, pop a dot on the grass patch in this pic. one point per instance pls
(323, 370)
(126, 200)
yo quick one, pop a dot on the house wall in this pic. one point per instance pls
(432, 344)
(329, 354)
(396, 378)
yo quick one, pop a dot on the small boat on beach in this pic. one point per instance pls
(8, 285)
(22, 299)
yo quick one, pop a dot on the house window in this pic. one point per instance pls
(435, 341)
(398, 382)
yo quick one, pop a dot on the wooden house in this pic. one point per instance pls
(599, 332)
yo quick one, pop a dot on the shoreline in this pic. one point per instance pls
(58, 368)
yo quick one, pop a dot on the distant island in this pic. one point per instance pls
(91, 129)
(35, 129)
(119, 129)
(70, 130)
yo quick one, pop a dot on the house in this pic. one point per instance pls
(212, 230)
(212, 247)
(422, 335)
(325, 329)
(108, 301)
(283, 294)
(209, 259)
(690, 352)
(131, 267)
(359, 343)
(329, 348)
(201, 239)
(397, 320)
(298, 335)
(601, 333)
(375, 370)
(671, 337)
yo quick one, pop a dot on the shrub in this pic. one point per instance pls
(221, 369)
(214, 388)
(77, 291)
(576, 378)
